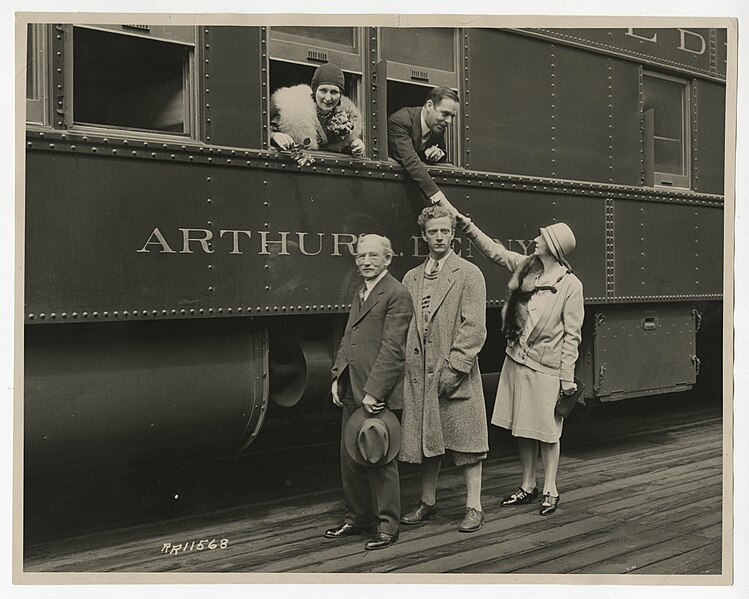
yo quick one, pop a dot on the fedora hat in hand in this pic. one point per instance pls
(372, 439)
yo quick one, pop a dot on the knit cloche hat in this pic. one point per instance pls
(329, 74)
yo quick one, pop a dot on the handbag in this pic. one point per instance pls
(565, 403)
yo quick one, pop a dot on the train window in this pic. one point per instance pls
(132, 81)
(413, 61)
(666, 115)
(295, 53)
(35, 74)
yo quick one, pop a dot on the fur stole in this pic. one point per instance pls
(520, 289)
(298, 117)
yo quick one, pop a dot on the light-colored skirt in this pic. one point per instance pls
(525, 403)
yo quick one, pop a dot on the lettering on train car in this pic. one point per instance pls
(198, 240)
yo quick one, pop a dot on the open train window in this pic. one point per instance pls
(413, 60)
(295, 53)
(666, 117)
(132, 79)
(36, 74)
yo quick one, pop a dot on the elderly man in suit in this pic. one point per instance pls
(417, 135)
(368, 374)
(443, 399)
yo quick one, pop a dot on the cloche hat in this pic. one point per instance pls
(561, 241)
(328, 73)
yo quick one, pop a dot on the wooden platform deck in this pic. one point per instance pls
(643, 503)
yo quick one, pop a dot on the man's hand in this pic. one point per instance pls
(372, 404)
(433, 154)
(334, 391)
(450, 380)
(357, 148)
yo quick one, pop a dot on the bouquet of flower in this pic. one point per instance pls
(340, 123)
(297, 153)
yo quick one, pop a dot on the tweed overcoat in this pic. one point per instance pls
(456, 332)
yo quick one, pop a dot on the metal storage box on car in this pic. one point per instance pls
(627, 357)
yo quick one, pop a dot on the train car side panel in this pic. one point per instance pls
(511, 109)
(667, 250)
(231, 89)
(596, 141)
(708, 159)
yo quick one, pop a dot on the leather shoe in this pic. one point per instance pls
(549, 504)
(472, 520)
(520, 497)
(347, 530)
(420, 513)
(380, 541)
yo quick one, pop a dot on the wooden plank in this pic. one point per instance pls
(657, 488)
(629, 562)
(696, 561)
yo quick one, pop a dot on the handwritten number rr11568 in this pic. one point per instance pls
(203, 544)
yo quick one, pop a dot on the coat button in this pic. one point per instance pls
(414, 380)
(416, 350)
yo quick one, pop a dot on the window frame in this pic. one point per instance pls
(190, 80)
(661, 179)
(396, 71)
(37, 107)
(287, 47)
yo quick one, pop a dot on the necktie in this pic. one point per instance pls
(435, 269)
(362, 293)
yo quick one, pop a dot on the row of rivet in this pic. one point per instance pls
(553, 115)
(373, 89)
(208, 132)
(58, 79)
(610, 79)
(642, 245)
(391, 171)
(641, 111)
(264, 82)
(713, 50)
(610, 249)
(695, 136)
(697, 247)
(342, 307)
(466, 90)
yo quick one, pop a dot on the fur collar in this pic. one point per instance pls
(520, 289)
(298, 117)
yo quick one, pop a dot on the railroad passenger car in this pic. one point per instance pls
(185, 283)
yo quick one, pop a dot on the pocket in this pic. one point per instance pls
(551, 357)
(460, 391)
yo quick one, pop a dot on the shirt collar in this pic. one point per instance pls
(370, 283)
(424, 129)
(440, 263)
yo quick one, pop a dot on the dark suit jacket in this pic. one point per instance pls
(404, 142)
(373, 349)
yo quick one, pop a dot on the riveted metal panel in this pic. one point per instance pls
(231, 86)
(667, 250)
(510, 100)
(642, 350)
(708, 136)
(86, 219)
(595, 100)
(514, 219)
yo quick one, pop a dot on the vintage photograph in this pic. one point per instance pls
(370, 299)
